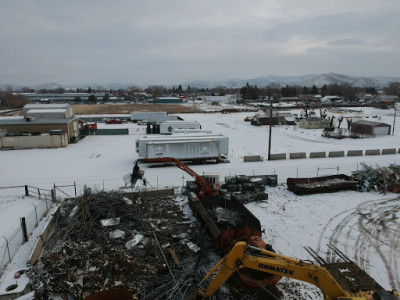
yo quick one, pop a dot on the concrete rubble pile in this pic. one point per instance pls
(381, 179)
(245, 189)
(107, 240)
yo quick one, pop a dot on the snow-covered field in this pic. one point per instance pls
(290, 222)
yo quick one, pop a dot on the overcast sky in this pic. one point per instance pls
(164, 42)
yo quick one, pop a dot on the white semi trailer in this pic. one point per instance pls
(168, 127)
(193, 147)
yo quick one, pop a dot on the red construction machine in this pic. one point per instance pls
(204, 202)
(207, 188)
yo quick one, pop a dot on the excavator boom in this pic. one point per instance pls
(206, 187)
(273, 263)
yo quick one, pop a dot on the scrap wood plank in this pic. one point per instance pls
(175, 257)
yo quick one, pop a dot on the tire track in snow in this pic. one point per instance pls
(377, 231)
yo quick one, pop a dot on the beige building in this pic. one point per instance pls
(313, 123)
(32, 126)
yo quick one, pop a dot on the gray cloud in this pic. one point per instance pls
(164, 42)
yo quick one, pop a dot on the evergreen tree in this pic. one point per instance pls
(106, 97)
(314, 90)
(92, 99)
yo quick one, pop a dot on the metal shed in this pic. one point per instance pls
(266, 120)
(34, 141)
(370, 127)
(48, 111)
(34, 126)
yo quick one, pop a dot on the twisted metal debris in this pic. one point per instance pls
(107, 240)
(381, 179)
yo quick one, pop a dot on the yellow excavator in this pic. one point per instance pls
(243, 255)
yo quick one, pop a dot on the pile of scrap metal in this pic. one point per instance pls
(107, 241)
(382, 179)
(324, 184)
(228, 221)
(245, 189)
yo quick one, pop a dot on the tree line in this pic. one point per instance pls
(9, 99)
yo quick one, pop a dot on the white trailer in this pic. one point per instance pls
(188, 131)
(160, 119)
(168, 127)
(183, 147)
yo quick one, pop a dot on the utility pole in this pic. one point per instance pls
(394, 118)
(270, 123)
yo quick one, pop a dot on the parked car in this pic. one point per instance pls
(114, 121)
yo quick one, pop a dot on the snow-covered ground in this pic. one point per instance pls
(290, 222)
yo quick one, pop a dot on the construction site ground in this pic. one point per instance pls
(363, 226)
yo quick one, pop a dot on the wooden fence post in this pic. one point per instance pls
(24, 230)
(53, 195)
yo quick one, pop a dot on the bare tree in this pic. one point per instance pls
(331, 121)
(219, 90)
(340, 120)
(305, 108)
(59, 90)
(11, 100)
(156, 91)
(133, 93)
(323, 113)
(349, 122)
(393, 89)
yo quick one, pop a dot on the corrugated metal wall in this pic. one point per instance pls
(34, 141)
(115, 131)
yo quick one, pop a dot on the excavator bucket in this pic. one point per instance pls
(136, 174)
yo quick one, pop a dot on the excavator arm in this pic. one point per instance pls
(206, 187)
(273, 263)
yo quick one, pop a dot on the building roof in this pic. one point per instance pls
(23, 121)
(41, 111)
(46, 106)
(313, 119)
(285, 114)
(290, 119)
(370, 123)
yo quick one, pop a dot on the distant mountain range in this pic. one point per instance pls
(319, 80)
(309, 80)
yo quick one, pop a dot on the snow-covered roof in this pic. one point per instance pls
(23, 121)
(46, 111)
(46, 106)
(370, 123)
